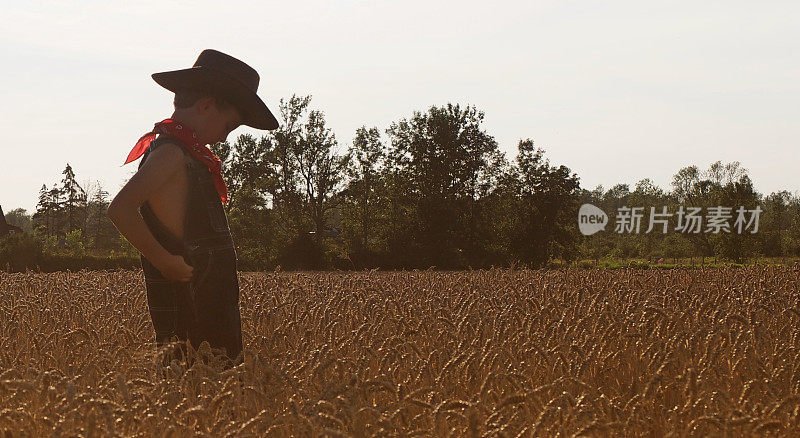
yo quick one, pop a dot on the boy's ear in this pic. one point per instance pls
(208, 101)
(205, 102)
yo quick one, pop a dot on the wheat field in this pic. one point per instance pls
(712, 352)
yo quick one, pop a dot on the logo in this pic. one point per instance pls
(591, 219)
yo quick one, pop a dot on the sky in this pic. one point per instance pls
(617, 91)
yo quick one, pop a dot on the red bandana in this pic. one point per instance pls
(189, 142)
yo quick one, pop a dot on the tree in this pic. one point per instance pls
(248, 172)
(617, 196)
(100, 231)
(46, 219)
(447, 158)
(74, 200)
(364, 194)
(250, 177)
(548, 199)
(721, 185)
(775, 229)
(321, 170)
(283, 189)
(687, 186)
(741, 193)
(304, 181)
(690, 190)
(19, 217)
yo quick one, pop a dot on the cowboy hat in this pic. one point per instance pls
(227, 76)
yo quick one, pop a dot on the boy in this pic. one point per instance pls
(171, 209)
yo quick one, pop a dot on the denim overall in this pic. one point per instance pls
(206, 307)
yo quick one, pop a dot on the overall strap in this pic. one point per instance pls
(162, 234)
(161, 139)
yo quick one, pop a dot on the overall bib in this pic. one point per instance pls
(207, 307)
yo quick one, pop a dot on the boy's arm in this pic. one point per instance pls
(161, 165)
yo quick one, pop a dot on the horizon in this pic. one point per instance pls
(616, 91)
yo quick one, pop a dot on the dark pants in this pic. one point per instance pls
(207, 307)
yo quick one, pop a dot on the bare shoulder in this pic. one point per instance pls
(163, 164)
(167, 156)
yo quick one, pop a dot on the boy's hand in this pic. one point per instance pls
(174, 268)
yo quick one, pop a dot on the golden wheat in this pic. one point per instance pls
(477, 353)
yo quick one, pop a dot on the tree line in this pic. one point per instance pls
(430, 190)
(721, 184)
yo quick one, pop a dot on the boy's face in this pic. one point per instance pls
(217, 120)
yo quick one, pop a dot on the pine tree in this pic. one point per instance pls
(74, 199)
(42, 216)
(98, 220)
(48, 210)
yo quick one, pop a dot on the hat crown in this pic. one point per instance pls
(233, 80)
(224, 63)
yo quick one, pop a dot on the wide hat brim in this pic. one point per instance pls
(254, 111)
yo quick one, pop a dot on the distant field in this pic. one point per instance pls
(680, 262)
(470, 353)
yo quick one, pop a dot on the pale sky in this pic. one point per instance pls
(615, 90)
